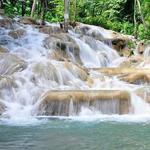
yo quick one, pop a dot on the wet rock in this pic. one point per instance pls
(122, 71)
(7, 23)
(46, 71)
(144, 93)
(51, 30)
(78, 71)
(28, 20)
(17, 33)
(131, 62)
(117, 41)
(119, 44)
(10, 64)
(65, 46)
(141, 47)
(137, 78)
(131, 75)
(61, 72)
(91, 31)
(57, 55)
(3, 49)
(62, 103)
(7, 82)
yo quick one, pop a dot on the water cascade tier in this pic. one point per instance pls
(71, 102)
(45, 71)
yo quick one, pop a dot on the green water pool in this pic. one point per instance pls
(76, 135)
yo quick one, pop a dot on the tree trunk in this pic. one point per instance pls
(33, 8)
(31, 3)
(23, 7)
(75, 9)
(66, 14)
(43, 11)
(140, 11)
(135, 22)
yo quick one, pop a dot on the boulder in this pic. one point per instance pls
(61, 103)
(119, 44)
(28, 20)
(141, 47)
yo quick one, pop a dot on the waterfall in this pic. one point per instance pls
(59, 74)
(139, 106)
(147, 51)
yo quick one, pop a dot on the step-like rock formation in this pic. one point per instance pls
(131, 75)
(64, 103)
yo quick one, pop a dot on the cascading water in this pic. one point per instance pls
(28, 72)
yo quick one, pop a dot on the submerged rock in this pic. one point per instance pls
(144, 93)
(17, 33)
(93, 31)
(60, 72)
(5, 39)
(7, 82)
(78, 71)
(45, 71)
(61, 103)
(11, 63)
(65, 46)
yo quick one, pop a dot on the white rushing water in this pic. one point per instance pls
(21, 92)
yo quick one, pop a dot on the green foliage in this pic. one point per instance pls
(116, 15)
